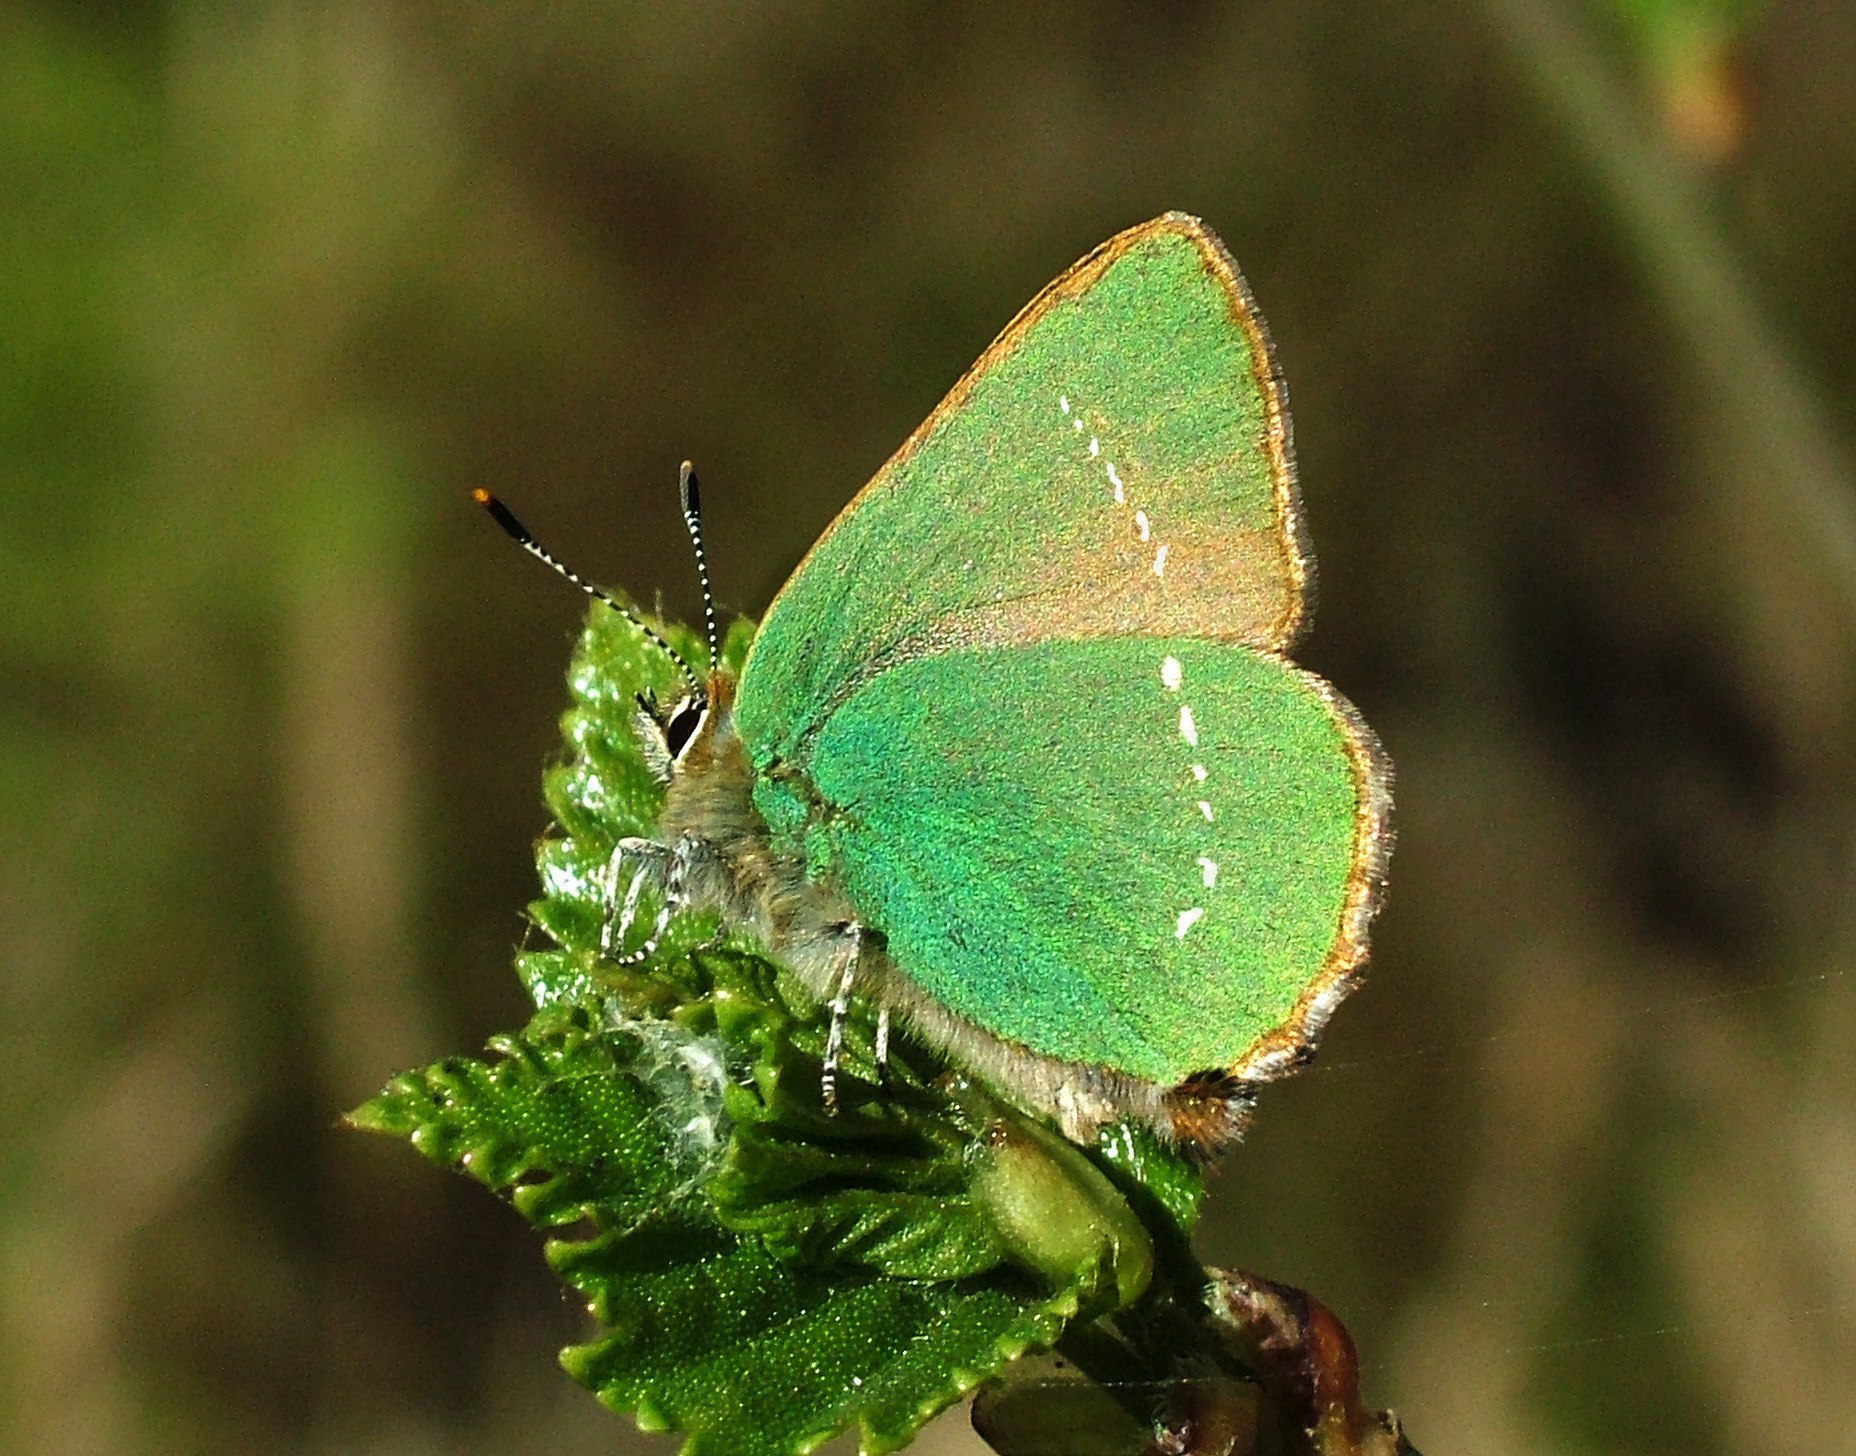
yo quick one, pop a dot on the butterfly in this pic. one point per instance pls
(1017, 754)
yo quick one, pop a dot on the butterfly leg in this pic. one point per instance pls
(665, 865)
(882, 1041)
(642, 857)
(840, 1012)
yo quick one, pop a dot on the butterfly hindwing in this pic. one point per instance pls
(1138, 853)
(1116, 463)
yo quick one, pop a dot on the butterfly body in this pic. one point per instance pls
(719, 855)
(1018, 754)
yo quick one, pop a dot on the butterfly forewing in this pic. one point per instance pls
(1116, 463)
(1138, 853)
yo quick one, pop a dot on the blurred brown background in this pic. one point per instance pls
(1566, 295)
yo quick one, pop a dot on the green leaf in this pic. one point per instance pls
(766, 1273)
(767, 1336)
(752, 1355)
(572, 1120)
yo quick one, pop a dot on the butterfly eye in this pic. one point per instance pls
(682, 726)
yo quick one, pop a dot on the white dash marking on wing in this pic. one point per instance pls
(1172, 674)
(1188, 919)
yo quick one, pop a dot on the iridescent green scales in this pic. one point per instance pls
(1025, 706)
(1091, 891)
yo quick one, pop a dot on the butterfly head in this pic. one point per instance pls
(684, 736)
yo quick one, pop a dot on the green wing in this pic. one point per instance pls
(1149, 854)
(1117, 462)
(957, 704)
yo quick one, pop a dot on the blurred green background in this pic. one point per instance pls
(1566, 296)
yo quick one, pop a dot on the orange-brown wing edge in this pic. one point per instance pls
(1279, 1052)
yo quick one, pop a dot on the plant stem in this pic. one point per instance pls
(1691, 266)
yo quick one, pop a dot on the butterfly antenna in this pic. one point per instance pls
(518, 533)
(692, 518)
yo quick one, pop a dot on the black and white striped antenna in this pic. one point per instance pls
(692, 518)
(519, 533)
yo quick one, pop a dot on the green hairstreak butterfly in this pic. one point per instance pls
(1017, 753)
